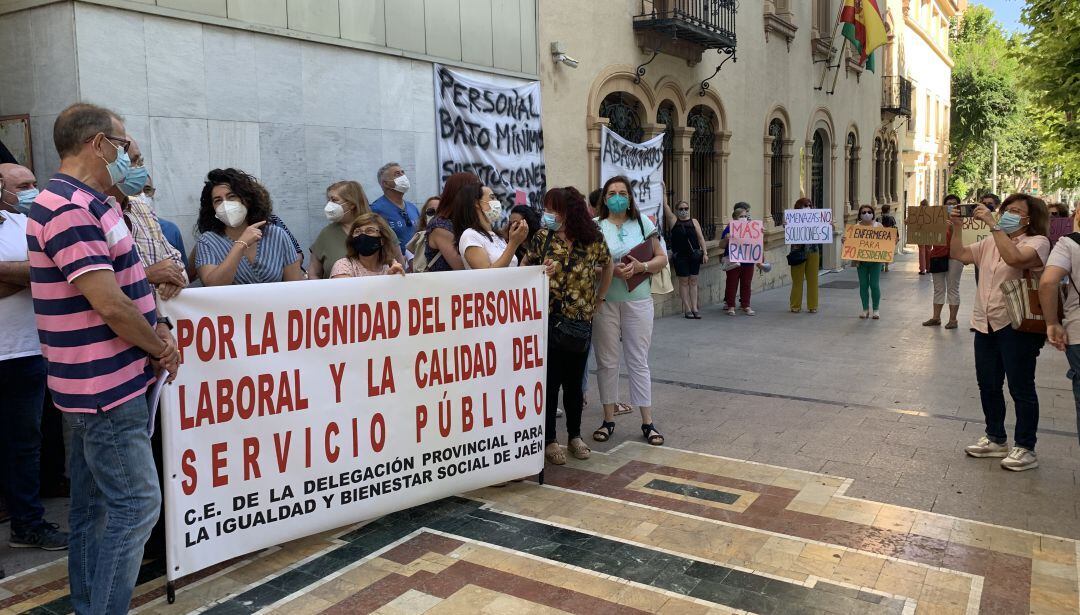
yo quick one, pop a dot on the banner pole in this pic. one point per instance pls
(170, 592)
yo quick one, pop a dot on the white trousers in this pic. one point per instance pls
(622, 330)
(947, 284)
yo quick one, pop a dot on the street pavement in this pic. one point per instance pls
(813, 464)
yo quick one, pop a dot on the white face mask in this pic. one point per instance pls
(494, 211)
(867, 216)
(334, 211)
(231, 213)
(401, 183)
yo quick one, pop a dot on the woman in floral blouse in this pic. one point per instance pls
(571, 248)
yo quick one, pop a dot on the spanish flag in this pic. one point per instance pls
(864, 27)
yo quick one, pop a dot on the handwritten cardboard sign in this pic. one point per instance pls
(745, 241)
(973, 230)
(1060, 227)
(927, 225)
(807, 226)
(870, 244)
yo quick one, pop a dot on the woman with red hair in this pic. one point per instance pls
(571, 248)
(460, 193)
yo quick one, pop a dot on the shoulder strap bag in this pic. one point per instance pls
(566, 334)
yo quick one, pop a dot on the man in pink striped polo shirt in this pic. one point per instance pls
(103, 342)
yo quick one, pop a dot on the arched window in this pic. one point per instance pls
(891, 171)
(665, 116)
(852, 171)
(879, 154)
(704, 178)
(776, 171)
(624, 117)
(817, 171)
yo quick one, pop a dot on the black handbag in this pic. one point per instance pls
(939, 264)
(797, 256)
(566, 334)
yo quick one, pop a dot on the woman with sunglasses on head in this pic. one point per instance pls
(417, 242)
(369, 249)
(688, 247)
(624, 325)
(345, 200)
(1017, 243)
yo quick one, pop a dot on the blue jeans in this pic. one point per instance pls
(114, 504)
(1072, 353)
(22, 381)
(1001, 354)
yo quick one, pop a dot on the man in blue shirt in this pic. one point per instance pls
(400, 214)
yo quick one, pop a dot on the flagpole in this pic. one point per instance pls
(825, 71)
(839, 65)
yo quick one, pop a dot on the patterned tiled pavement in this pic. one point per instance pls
(638, 529)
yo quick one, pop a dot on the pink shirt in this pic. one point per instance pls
(352, 268)
(990, 313)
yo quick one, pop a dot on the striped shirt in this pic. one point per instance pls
(273, 253)
(74, 229)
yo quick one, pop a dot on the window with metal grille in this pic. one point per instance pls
(817, 171)
(665, 115)
(703, 172)
(891, 171)
(879, 155)
(852, 172)
(623, 114)
(776, 171)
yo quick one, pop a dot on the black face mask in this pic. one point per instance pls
(366, 245)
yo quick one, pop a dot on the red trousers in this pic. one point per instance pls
(739, 279)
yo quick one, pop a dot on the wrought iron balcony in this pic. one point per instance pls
(896, 96)
(708, 23)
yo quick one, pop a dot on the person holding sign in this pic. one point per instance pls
(804, 259)
(480, 246)
(740, 275)
(573, 251)
(623, 327)
(1017, 243)
(687, 244)
(869, 272)
(369, 249)
(236, 245)
(946, 272)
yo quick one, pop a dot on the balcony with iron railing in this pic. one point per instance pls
(707, 23)
(896, 96)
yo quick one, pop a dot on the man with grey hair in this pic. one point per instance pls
(400, 214)
(105, 345)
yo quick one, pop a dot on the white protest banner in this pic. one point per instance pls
(746, 241)
(297, 410)
(491, 128)
(642, 164)
(807, 226)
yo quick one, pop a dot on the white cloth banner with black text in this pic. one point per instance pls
(297, 410)
(642, 164)
(491, 127)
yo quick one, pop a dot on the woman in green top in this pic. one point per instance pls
(344, 202)
(622, 329)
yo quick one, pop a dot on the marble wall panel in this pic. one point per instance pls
(340, 87)
(234, 144)
(279, 77)
(282, 166)
(56, 76)
(181, 160)
(176, 77)
(46, 160)
(112, 75)
(16, 64)
(232, 89)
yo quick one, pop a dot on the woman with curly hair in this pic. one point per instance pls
(460, 193)
(369, 250)
(236, 245)
(571, 248)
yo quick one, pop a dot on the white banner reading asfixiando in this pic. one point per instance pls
(642, 164)
(491, 127)
(302, 407)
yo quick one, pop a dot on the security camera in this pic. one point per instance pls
(558, 55)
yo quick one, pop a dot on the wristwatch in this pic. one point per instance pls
(165, 320)
(646, 266)
(996, 227)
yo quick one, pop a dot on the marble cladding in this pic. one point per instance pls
(298, 115)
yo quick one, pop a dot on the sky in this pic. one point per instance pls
(1007, 12)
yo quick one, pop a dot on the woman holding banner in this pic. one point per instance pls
(579, 268)
(805, 260)
(1017, 245)
(869, 273)
(623, 327)
(687, 244)
(369, 249)
(235, 244)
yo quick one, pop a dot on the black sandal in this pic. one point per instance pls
(604, 432)
(656, 439)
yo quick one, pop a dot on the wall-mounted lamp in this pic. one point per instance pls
(558, 55)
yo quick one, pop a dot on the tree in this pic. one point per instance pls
(1052, 63)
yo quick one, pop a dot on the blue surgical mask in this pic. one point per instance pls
(26, 199)
(550, 222)
(134, 181)
(1010, 222)
(119, 168)
(617, 203)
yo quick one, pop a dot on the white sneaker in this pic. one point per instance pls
(1020, 459)
(877, 315)
(985, 448)
(748, 311)
(865, 314)
(558, 413)
(731, 311)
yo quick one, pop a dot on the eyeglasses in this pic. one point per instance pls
(124, 143)
(429, 213)
(405, 216)
(370, 232)
(149, 190)
(683, 209)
